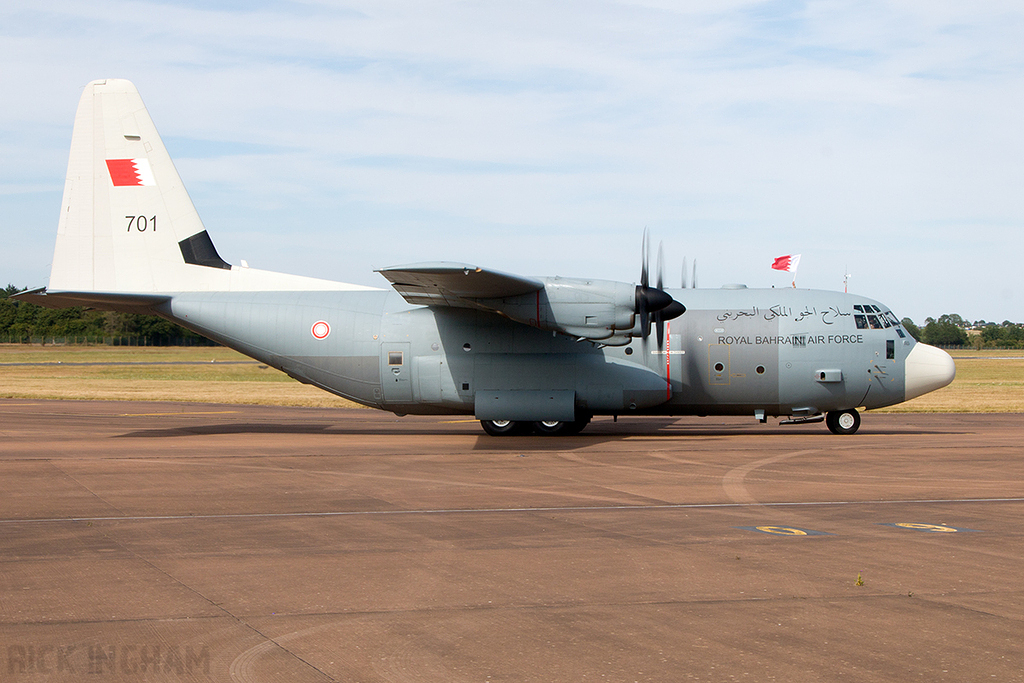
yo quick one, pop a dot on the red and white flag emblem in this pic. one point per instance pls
(130, 172)
(787, 263)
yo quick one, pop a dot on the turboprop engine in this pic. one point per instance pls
(596, 310)
(602, 311)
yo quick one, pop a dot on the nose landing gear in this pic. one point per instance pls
(843, 421)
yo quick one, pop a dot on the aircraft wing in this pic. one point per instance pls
(455, 285)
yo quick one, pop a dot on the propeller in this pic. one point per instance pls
(683, 279)
(673, 310)
(654, 303)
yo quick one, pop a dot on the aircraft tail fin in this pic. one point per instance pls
(125, 211)
(127, 225)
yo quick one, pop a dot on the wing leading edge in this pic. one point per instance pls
(455, 285)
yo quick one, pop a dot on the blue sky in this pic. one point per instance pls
(329, 139)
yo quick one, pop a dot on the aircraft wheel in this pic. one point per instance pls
(843, 421)
(549, 427)
(503, 427)
(555, 428)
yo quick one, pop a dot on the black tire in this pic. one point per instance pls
(504, 427)
(560, 428)
(843, 421)
(552, 428)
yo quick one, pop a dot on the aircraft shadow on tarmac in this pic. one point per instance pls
(669, 431)
(595, 434)
(231, 428)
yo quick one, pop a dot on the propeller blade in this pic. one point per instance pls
(645, 257)
(661, 265)
(659, 322)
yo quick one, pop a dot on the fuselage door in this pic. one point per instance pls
(396, 372)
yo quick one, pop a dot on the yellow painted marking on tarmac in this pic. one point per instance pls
(781, 530)
(455, 422)
(928, 527)
(198, 412)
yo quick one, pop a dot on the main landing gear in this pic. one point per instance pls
(547, 428)
(837, 421)
(843, 421)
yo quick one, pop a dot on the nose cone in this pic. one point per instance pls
(927, 369)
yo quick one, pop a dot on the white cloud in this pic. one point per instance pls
(543, 137)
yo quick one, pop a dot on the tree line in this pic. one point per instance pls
(24, 322)
(953, 330)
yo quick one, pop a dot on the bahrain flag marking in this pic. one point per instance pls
(787, 263)
(128, 172)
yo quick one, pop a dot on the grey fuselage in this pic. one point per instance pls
(735, 351)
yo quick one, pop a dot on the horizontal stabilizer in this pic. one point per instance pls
(455, 285)
(125, 303)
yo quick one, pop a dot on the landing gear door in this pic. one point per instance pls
(396, 372)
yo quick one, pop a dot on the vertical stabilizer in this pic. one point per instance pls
(127, 224)
(124, 210)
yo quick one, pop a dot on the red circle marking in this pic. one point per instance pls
(320, 329)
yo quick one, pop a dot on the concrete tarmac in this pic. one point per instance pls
(172, 542)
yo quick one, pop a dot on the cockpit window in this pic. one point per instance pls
(862, 322)
(873, 321)
(858, 308)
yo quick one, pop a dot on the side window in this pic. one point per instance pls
(395, 358)
(890, 349)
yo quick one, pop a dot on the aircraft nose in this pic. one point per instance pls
(927, 369)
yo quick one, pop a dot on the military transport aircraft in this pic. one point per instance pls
(522, 354)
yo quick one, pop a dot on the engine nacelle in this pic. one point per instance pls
(598, 310)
